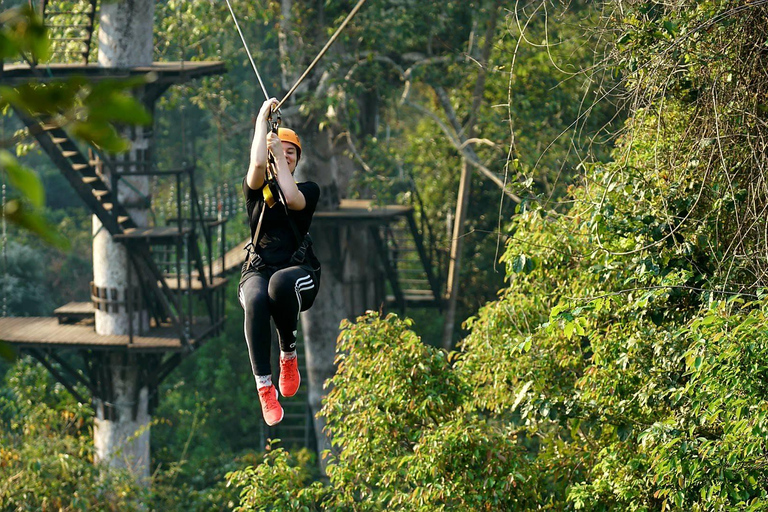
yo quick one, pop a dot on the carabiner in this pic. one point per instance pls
(275, 124)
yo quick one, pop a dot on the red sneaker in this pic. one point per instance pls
(289, 376)
(270, 407)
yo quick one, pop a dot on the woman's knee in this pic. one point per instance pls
(252, 299)
(284, 286)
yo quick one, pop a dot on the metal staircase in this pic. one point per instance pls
(70, 25)
(415, 260)
(416, 283)
(162, 293)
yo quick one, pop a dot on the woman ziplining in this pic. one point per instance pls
(281, 275)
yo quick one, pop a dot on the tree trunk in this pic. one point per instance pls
(121, 434)
(457, 241)
(457, 245)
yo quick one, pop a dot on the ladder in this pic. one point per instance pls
(70, 25)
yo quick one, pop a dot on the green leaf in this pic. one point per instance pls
(100, 134)
(31, 220)
(8, 47)
(521, 394)
(106, 103)
(24, 180)
(522, 263)
(7, 352)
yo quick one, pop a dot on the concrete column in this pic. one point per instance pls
(121, 429)
(121, 426)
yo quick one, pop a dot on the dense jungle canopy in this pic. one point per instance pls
(610, 345)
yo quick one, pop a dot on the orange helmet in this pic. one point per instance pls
(288, 135)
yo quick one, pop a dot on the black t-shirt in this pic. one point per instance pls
(277, 242)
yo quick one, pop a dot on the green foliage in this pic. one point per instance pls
(89, 109)
(280, 482)
(22, 32)
(24, 283)
(402, 437)
(622, 366)
(46, 451)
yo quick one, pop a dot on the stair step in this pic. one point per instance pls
(74, 312)
(122, 218)
(90, 179)
(59, 140)
(107, 206)
(62, 13)
(159, 235)
(80, 167)
(70, 39)
(69, 26)
(100, 193)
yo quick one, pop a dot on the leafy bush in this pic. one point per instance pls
(46, 450)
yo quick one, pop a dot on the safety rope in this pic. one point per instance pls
(247, 51)
(322, 52)
(306, 72)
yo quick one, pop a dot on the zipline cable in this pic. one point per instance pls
(247, 51)
(320, 55)
(322, 52)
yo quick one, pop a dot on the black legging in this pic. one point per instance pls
(281, 294)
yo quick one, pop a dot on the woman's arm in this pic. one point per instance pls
(294, 199)
(258, 165)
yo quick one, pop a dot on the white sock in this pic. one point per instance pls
(287, 356)
(263, 381)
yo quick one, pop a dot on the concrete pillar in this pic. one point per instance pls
(121, 426)
(121, 430)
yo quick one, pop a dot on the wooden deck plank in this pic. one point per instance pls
(46, 331)
(172, 72)
(361, 210)
(75, 308)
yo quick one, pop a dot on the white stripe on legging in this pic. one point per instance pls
(303, 283)
(245, 319)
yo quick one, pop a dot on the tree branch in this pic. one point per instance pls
(461, 144)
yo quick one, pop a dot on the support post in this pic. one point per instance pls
(457, 244)
(121, 427)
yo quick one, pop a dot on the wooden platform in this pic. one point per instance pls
(233, 260)
(161, 72)
(47, 332)
(154, 235)
(74, 311)
(361, 210)
(350, 211)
